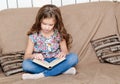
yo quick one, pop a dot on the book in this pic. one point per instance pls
(47, 64)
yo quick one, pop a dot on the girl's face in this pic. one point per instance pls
(47, 25)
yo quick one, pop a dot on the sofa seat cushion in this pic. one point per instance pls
(11, 63)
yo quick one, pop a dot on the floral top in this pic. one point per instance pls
(49, 47)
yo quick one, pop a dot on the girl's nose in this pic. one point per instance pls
(47, 27)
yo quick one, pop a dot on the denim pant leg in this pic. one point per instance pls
(30, 67)
(71, 60)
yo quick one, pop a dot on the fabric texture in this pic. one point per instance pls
(107, 49)
(11, 63)
(49, 47)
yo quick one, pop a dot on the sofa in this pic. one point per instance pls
(86, 22)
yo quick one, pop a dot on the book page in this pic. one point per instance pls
(47, 64)
(43, 63)
(56, 61)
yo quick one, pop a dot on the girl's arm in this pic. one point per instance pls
(64, 49)
(29, 50)
(63, 46)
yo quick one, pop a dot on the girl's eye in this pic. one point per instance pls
(50, 24)
(44, 23)
(47, 24)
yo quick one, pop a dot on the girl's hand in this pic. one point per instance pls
(61, 55)
(38, 56)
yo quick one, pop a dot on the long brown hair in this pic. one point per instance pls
(51, 11)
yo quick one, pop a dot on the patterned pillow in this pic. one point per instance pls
(11, 63)
(107, 49)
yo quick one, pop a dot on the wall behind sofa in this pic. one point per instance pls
(6, 4)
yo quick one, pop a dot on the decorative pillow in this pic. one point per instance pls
(107, 49)
(11, 63)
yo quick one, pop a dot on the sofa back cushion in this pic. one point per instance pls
(87, 22)
(14, 24)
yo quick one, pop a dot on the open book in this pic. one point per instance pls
(47, 64)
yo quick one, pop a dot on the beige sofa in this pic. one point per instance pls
(86, 22)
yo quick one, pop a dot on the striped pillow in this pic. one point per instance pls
(11, 63)
(107, 49)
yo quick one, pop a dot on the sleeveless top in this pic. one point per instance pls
(48, 47)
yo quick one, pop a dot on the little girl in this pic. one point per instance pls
(48, 40)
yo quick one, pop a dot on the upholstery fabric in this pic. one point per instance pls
(86, 22)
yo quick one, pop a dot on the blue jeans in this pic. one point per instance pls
(30, 67)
